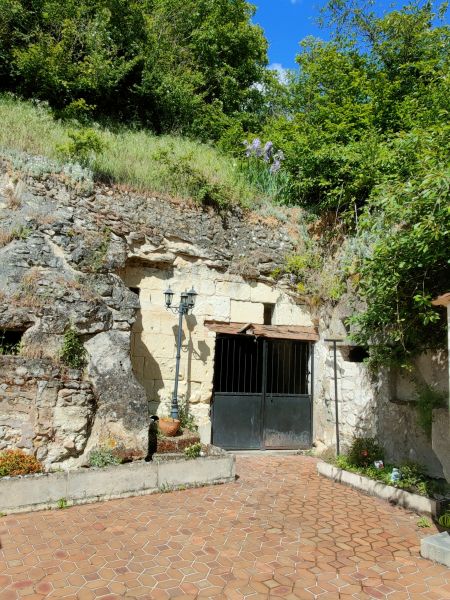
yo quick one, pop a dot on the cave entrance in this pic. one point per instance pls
(262, 391)
(10, 341)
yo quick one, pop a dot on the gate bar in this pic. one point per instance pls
(263, 392)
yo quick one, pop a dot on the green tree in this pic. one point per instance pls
(409, 264)
(202, 60)
(63, 51)
(186, 65)
(377, 78)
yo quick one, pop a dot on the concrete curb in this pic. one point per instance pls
(414, 502)
(437, 548)
(81, 486)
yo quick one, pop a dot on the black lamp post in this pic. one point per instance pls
(187, 303)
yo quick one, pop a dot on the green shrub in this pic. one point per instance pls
(84, 146)
(187, 420)
(103, 457)
(17, 462)
(183, 171)
(193, 451)
(62, 503)
(78, 110)
(423, 522)
(73, 353)
(364, 451)
(413, 477)
(412, 474)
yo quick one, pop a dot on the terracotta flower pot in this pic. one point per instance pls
(169, 426)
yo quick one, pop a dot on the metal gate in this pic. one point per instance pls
(262, 396)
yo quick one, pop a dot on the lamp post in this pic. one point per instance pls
(187, 303)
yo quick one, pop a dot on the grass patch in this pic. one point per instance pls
(162, 164)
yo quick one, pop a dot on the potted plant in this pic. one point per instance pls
(169, 426)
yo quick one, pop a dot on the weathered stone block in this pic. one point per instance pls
(149, 386)
(260, 292)
(157, 346)
(146, 299)
(291, 314)
(138, 365)
(20, 492)
(156, 282)
(194, 472)
(132, 277)
(217, 307)
(247, 312)
(233, 290)
(440, 438)
(163, 368)
(198, 370)
(205, 286)
(104, 483)
(70, 419)
(121, 400)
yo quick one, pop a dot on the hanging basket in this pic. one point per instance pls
(168, 426)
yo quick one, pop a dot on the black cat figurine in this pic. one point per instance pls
(152, 437)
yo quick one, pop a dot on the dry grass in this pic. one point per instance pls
(35, 350)
(12, 192)
(137, 158)
(6, 237)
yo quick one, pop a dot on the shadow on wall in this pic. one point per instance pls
(399, 428)
(157, 373)
(149, 283)
(189, 352)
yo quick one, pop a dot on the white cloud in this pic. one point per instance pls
(281, 71)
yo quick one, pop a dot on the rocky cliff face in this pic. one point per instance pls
(63, 244)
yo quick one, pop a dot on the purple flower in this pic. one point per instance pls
(268, 149)
(256, 147)
(248, 151)
(275, 166)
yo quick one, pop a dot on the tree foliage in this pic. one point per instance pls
(365, 127)
(410, 261)
(379, 77)
(187, 65)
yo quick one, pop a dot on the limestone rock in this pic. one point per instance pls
(122, 411)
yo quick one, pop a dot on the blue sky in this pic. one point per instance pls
(286, 22)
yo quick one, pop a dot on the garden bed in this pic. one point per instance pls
(80, 486)
(394, 495)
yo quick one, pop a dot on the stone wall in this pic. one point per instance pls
(221, 296)
(357, 398)
(383, 406)
(44, 409)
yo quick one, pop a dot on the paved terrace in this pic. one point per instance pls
(280, 531)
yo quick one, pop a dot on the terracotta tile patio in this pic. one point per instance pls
(280, 531)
